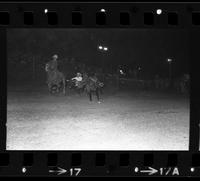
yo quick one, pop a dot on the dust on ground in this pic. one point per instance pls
(125, 120)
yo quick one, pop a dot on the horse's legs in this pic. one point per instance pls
(97, 93)
(101, 90)
(49, 87)
(57, 86)
(64, 91)
(79, 91)
(90, 95)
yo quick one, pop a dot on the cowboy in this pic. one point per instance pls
(94, 86)
(54, 76)
(52, 65)
(54, 62)
(77, 79)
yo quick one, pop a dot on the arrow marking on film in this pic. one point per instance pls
(59, 171)
(151, 171)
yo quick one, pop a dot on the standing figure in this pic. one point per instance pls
(93, 85)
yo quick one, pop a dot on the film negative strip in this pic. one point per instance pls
(99, 89)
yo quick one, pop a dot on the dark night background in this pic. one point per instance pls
(143, 111)
(148, 49)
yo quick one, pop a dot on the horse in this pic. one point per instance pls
(71, 84)
(55, 80)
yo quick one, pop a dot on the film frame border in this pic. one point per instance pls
(112, 160)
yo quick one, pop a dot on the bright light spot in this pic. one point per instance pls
(46, 11)
(192, 169)
(103, 10)
(136, 169)
(105, 48)
(139, 68)
(169, 59)
(159, 11)
(23, 169)
(121, 72)
(100, 47)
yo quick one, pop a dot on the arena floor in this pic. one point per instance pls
(125, 120)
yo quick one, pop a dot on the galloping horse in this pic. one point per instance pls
(54, 78)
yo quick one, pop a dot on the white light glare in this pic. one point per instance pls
(23, 169)
(100, 47)
(46, 11)
(159, 11)
(105, 48)
(192, 169)
(103, 10)
(169, 59)
(121, 72)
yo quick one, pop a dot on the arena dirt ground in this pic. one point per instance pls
(124, 120)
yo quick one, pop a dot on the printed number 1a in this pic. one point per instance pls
(166, 173)
(175, 171)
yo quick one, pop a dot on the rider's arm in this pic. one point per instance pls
(75, 78)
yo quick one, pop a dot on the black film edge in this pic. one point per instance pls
(99, 89)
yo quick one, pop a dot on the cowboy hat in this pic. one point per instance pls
(55, 56)
(79, 74)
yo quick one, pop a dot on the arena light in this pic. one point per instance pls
(105, 48)
(103, 10)
(159, 11)
(121, 72)
(169, 60)
(46, 11)
(100, 47)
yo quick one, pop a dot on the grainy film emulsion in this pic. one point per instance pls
(99, 89)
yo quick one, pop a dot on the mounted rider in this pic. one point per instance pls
(78, 79)
(52, 65)
(55, 78)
